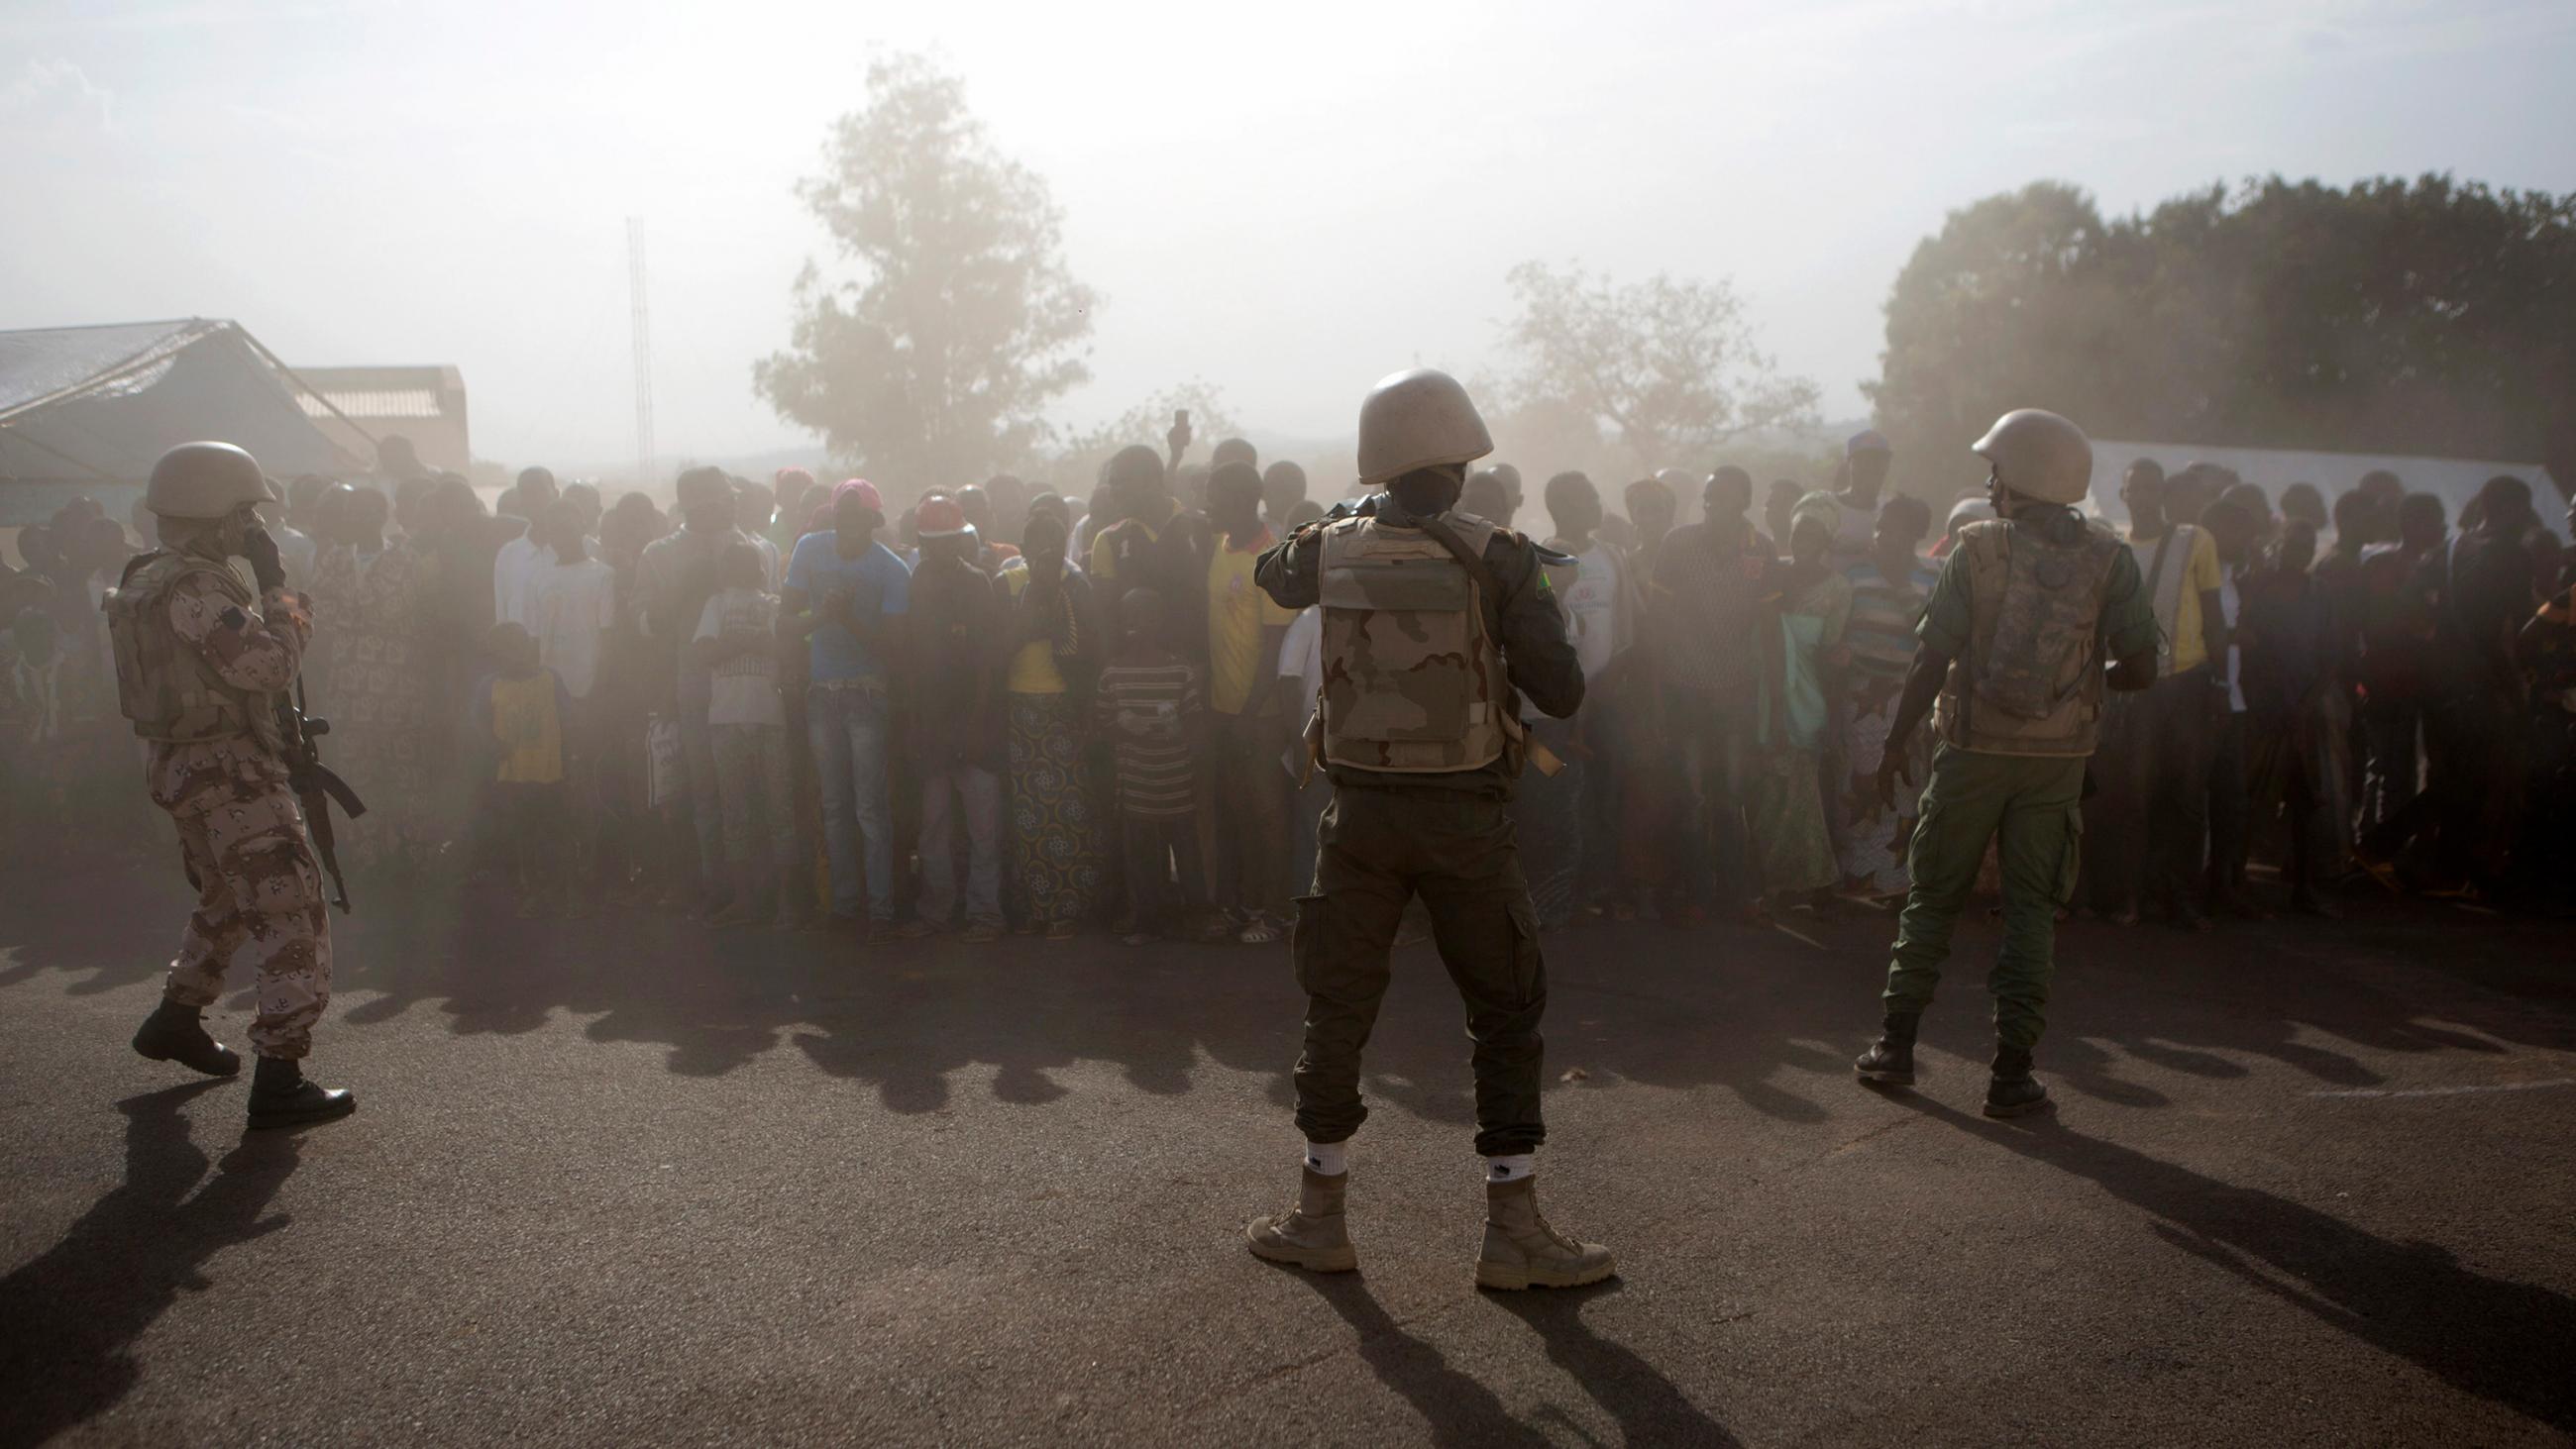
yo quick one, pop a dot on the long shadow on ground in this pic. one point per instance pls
(68, 1319)
(1781, 1015)
(2500, 1340)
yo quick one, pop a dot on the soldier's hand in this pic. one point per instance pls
(265, 566)
(1862, 792)
(1891, 770)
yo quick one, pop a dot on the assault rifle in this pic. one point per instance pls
(315, 786)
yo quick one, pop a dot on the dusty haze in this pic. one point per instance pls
(1282, 202)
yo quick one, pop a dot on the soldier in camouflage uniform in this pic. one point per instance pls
(201, 661)
(2027, 609)
(1434, 623)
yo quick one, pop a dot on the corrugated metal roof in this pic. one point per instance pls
(404, 402)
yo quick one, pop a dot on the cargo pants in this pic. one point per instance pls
(260, 904)
(1377, 849)
(2030, 807)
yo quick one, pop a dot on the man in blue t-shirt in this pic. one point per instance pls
(843, 588)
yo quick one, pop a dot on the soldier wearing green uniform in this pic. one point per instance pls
(2011, 666)
(1435, 622)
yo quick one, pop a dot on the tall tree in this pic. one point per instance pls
(2429, 317)
(934, 362)
(1667, 366)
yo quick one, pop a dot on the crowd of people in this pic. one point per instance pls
(1006, 710)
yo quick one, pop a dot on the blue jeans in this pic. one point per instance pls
(847, 729)
(981, 790)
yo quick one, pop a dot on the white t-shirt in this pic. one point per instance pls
(511, 567)
(1592, 608)
(1852, 534)
(1301, 651)
(1301, 657)
(2228, 600)
(744, 689)
(568, 608)
(298, 552)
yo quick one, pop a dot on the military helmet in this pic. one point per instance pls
(2039, 455)
(206, 480)
(1418, 419)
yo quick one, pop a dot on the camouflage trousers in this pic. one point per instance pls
(259, 904)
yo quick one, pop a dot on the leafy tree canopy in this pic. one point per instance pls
(934, 360)
(1667, 366)
(2428, 317)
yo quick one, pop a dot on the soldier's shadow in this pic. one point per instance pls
(2492, 1337)
(69, 1317)
(1458, 1409)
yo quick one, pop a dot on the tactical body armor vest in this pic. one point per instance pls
(2031, 680)
(1413, 681)
(165, 688)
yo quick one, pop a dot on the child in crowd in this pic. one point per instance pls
(1151, 708)
(520, 713)
(737, 642)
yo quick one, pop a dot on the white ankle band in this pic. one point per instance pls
(1331, 1159)
(1512, 1168)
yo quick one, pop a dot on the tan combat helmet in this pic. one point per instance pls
(1418, 419)
(2039, 455)
(206, 480)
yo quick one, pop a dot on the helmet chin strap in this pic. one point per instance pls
(214, 538)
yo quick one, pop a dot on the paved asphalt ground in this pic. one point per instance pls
(628, 1182)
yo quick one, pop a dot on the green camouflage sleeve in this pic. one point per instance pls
(1536, 653)
(1947, 618)
(2128, 615)
(1291, 571)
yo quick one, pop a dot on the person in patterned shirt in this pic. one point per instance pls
(201, 661)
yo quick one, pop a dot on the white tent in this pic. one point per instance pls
(2453, 480)
(89, 409)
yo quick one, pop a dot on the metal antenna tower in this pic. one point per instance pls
(643, 329)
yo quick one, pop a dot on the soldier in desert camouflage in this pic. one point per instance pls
(201, 660)
(1434, 623)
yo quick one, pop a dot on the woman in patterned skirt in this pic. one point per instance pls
(1057, 844)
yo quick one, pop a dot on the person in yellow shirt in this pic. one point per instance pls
(1244, 627)
(520, 713)
(2155, 768)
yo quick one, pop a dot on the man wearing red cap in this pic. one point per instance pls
(844, 590)
(957, 630)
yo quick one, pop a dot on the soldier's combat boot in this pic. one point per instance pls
(1890, 1059)
(1522, 1251)
(1310, 1235)
(2013, 1091)
(176, 1033)
(281, 1097)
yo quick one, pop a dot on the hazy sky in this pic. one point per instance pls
(1284, 200)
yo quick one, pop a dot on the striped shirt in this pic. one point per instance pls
(1883, 615)
(1146, 710)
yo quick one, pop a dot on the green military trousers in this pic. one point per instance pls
(1377, 849)
(2030, 806)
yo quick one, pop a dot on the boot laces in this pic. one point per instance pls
(1548, 1231)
